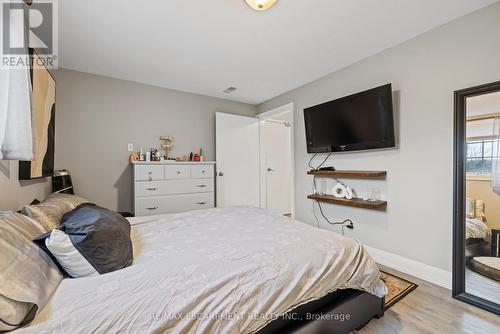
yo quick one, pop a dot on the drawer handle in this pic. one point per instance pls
(151, 189)
(153, 208)
(203, 171)
(201, 185)
(150, 173)
(201, 203)
(178, 172)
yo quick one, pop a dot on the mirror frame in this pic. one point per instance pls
(459, 195)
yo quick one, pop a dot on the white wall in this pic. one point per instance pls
(97, 116)
(424, 72)
(14, 193)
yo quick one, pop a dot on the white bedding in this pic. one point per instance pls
(238, 265)
(476, 229)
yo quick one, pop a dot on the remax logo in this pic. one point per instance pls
(29, 26)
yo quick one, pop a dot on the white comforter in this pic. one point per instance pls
(211, 271)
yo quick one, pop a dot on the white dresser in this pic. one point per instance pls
(170, 187)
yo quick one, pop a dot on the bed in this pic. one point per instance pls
(234, 270)
(477, 239)
(476, 229)
(477, 233)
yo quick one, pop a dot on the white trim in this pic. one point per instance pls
(411, 267)
(276, 111)
(273, 113)
(478, 177)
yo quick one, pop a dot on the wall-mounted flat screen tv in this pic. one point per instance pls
(361, 121)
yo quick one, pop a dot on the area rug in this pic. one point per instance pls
(397, 288)
(487, 266)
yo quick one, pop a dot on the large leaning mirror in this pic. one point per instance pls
(476, 262)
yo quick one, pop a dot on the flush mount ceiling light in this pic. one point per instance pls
(260, 4)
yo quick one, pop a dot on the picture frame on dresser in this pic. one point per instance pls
(171, 187)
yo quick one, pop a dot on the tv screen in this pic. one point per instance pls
(356, 122)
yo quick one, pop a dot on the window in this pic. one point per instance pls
(480, 156)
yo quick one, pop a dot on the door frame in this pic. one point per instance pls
(459, 194)
(289, 107)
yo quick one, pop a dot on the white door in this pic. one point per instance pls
(237, 154)
(276, 149)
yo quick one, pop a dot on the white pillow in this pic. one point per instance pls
(28, 277)
(470, 208)
(14, 312)
(61, 247)
(50, 211)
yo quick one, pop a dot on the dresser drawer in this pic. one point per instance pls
(177, 172)
(201, 172)
(149, 173)
(172, 187)
(171, 204)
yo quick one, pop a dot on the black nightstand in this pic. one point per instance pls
(495, 243)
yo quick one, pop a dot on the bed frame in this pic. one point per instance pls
(475, 247)
(339, 312)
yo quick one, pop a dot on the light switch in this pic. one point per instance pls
(130, 147)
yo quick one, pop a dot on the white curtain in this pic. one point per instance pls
(495, 166)
(16, 139)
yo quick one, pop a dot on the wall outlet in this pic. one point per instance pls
(130, 147)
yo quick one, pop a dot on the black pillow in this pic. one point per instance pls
(100, 235)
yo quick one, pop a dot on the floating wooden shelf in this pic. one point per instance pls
(355, 202)
(361, 174)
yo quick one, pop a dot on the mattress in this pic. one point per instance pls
(211, 271)
(477, 229)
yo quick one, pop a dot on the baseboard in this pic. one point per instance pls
(411, 267)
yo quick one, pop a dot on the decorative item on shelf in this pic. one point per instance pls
(141, 155)
(134, 157)
(374, 195)
(168, 146)
(155, 155)
(201, 155)
(348, 194)
(323, 187)
(342, 191)
(196, 157)
(191, 156)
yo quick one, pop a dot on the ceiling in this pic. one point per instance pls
(205, 46)
(483, 104)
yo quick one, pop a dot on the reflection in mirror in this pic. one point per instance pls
(482, 190)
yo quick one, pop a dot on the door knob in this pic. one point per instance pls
(221, 174)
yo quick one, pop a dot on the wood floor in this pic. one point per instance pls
(430, 309)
